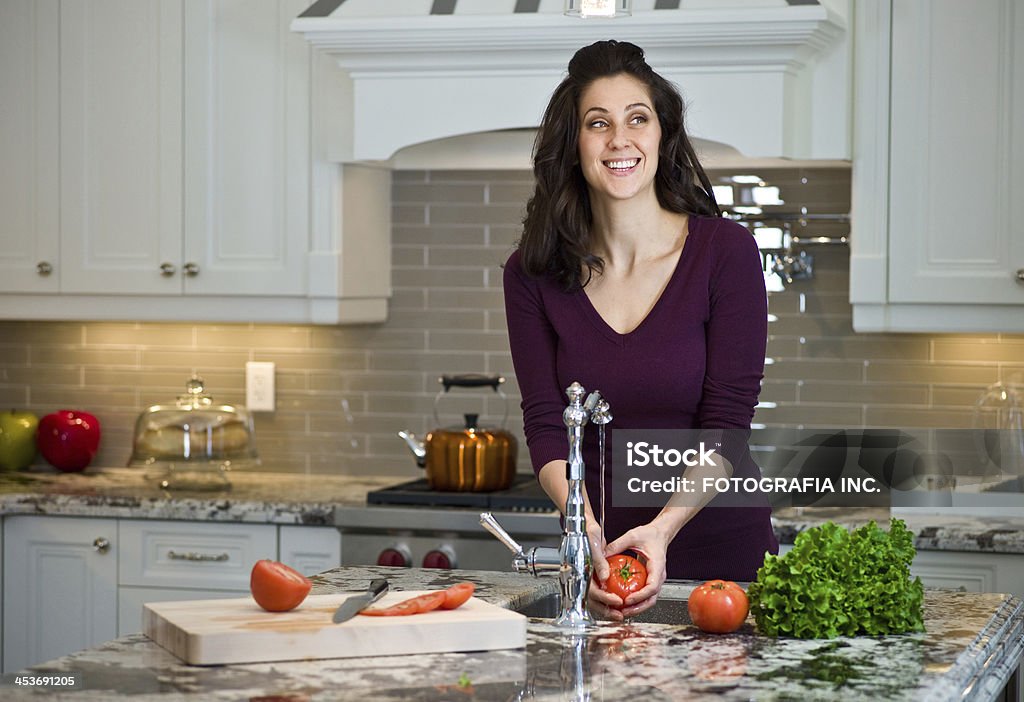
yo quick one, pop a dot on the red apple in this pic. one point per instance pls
(68, 439)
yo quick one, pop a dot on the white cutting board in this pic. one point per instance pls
(214, 632)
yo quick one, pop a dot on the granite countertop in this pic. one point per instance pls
(972, 645)
(261, 497)
(336, 500)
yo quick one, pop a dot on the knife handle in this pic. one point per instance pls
(378, 586)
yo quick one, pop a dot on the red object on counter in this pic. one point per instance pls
(393, 557)
(68, 439)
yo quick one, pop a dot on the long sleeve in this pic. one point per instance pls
(534, 346)
(736, 336)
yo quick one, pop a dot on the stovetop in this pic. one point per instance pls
(525, 495)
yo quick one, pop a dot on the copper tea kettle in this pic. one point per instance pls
(469, 458)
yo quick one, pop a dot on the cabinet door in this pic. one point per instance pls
(59, 587)
(121, 145)
(247, 157)
(957, 152)
(310, 550)
(29, 159)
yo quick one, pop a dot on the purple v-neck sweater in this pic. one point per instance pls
(696, 361)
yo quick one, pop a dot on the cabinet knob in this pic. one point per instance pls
(167, 269)
(1020, 275)
(44, 268)
(101, 544)
(190, 269)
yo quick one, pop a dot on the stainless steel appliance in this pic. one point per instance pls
(411, 525)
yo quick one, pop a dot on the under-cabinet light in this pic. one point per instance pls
(586, 9)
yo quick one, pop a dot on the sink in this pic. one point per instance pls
(664, 611)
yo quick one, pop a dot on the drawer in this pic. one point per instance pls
(192, 554)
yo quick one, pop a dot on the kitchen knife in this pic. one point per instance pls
(357, 603)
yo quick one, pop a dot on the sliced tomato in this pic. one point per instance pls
(457, 595)
(277, 587)
(413, 605)
(429, 601)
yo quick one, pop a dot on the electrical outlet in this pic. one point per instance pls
(259, 386)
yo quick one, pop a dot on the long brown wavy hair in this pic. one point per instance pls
(557, 228)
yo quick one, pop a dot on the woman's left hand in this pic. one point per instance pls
(652, 543)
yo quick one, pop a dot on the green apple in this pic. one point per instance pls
(17, 439)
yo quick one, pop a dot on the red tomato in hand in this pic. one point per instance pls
(718, 606)
(627, 575)
(276, 587)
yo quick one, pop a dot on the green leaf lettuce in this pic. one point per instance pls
(840, 583)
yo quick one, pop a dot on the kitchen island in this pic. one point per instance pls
(971, 650)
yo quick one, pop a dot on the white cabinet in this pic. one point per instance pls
(184, 148)
(938, 166)
(70, 583)
(310, 550)
(971, 572)
(247, 153)
(59, 588)
(120, 145)
(157, 165)
(29, 160)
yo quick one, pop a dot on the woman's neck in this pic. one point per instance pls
(629, 231)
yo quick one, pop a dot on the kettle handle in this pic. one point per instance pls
(471, 380)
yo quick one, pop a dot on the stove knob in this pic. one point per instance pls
(396, 555)
(441, 557)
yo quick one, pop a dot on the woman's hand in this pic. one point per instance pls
(651, 542)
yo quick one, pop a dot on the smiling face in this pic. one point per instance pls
(619, 138)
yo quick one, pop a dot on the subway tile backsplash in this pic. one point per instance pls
(344, 392)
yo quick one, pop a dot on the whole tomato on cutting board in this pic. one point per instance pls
(626, 577)
(718, 606)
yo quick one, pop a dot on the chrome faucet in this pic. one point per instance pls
(572, 558)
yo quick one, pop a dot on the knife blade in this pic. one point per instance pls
(357, 603)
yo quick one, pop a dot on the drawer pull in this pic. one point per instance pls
(101, 544)
(193, 556)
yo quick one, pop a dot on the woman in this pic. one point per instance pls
(628, 280)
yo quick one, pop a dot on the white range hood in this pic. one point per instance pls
(770, 79)
(763, 80)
